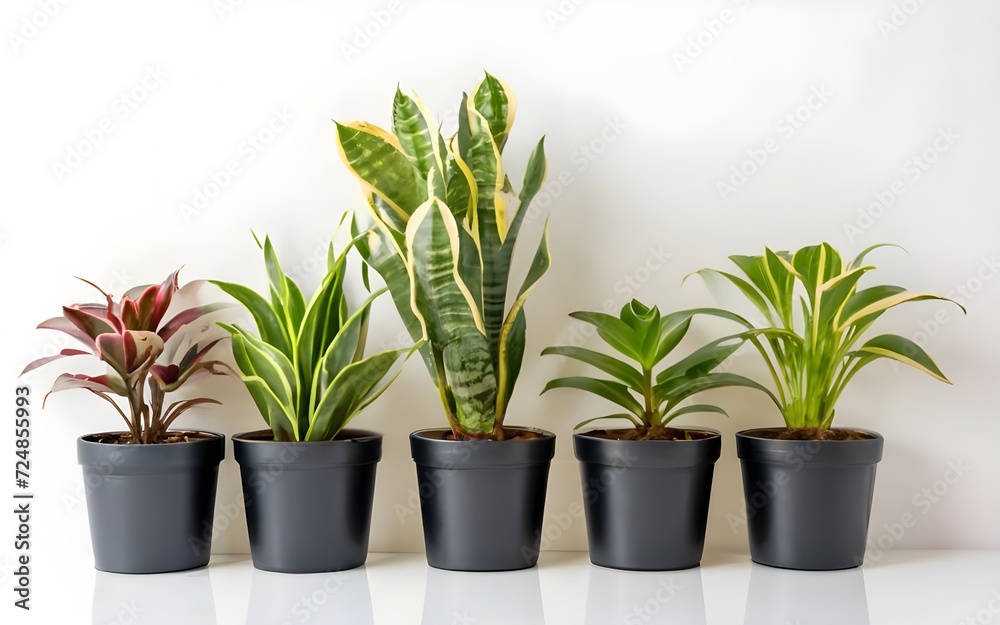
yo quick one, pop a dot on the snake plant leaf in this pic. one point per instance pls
(534, 177)
(508, 370)
(620, 415)
(472, 381)
(463, 192)
(270, 329)
(279, 416)
(613, 331)
(902, 350)
(439, 298)
(612, 366)
(470, 264)
(347, 393)
(495, 102)
(258, 358)
(417, 133)
(693, 408)
(286, 298)
(375, 157)
(615, 392)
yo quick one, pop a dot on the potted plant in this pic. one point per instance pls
(808, 485)
(647, 487)
(150, 489)
(308, 483)
(441, 237)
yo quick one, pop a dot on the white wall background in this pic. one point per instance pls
(665, 120)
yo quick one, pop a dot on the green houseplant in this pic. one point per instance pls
(438, 231)
(813, 345)
(653, 514)
(147, 480)
(309, 377)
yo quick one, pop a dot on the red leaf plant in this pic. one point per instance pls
(131, 337)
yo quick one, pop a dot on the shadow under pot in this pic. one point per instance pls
(808, 501)
(308, 504)
(151, 506)
(646, 501)
(481, 501)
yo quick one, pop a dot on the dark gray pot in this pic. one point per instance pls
(482, 501)
(646, 502)
(308, 504)
(151, 507)
(808, 502)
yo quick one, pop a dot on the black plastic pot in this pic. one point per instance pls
(646, 502)
(308, 504)
(151, 507)
(482, 501)
(808, 502)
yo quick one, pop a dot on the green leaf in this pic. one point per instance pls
(492, 99)
(468, 367)
(259, 359)
(268, 326)
(417, 133)
(674, 394)
(871, 301)
(902, 350)
(348, 392)
(534, 177)
(749, 291)
(612, 366)
(613, 331)
(861, 257)
(621, 415)
(612, 391)
(507, 374)
(693, 408)
(376, 158)
(702, 360)
(670, 336)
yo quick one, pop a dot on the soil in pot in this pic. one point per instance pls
(810, 434)
(650, 434)
(126, 438)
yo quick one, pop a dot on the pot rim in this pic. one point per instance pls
(747, 434)
(422, 434)
(212, 437)
(364, 436)
(136, 459)
(714, 434)
(810, 453)
(440, 453)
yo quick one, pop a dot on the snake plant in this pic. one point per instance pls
(641, 334)
(814, 354)
(139, 345)
(441, 236)
(306, 371)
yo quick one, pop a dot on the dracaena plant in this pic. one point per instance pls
(138, 344)
(816, 316)
(306, 369)
(441, 236)
(642, 335)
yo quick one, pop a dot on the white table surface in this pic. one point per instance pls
(902, 587)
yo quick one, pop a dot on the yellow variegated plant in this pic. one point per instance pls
(814, 354)
(440, 235)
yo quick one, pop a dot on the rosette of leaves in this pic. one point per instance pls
(651, 395)
(305, 368)
(441, 235)
(816, 317)
(138, 344)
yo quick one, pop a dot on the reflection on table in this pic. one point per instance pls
(645, 597)
(814, 597)
(160, 599)
(341, 598)
(507, 598)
